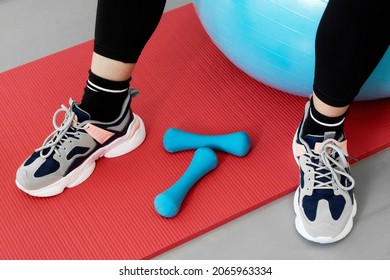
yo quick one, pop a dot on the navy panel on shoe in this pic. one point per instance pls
(336, 203)
(50, 165)
(336, 206)
(31, 159)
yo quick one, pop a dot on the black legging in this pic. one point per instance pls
(123, 27)
(352, 37)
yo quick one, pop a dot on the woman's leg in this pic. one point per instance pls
(351, 38)
(122, 30)
(103, 124)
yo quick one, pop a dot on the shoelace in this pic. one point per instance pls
(327, 161)
(61, 133)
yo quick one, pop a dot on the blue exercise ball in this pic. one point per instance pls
(273, 41)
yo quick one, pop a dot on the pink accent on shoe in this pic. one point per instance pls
(98, 133)
(299, 150)
(343, 146)
(135, 127)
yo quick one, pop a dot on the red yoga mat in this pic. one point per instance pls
(185, 82)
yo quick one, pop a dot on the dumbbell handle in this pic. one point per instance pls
(237, 143)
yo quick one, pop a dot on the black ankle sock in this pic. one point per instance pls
(103, 99)
(318, 124)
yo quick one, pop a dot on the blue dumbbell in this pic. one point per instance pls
(237, 143)
(168, 203)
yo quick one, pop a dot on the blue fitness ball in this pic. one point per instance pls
(273, 42)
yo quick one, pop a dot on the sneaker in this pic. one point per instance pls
(324, 202)
(67, 156)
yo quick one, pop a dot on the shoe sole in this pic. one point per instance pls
(134, 137)
(298, 217)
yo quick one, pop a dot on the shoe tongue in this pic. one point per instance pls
(81, 115)
(312, 140)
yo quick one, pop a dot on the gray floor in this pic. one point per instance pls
(31, 29)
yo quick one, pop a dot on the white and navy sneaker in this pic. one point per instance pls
(67, 156)
(324, 202)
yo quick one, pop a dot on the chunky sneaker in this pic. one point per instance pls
(324, 202)
(67, 156)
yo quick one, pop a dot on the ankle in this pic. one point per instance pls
(327, 110)
(317, 123)
(103, 99)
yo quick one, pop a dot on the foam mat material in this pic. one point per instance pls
(185, 82)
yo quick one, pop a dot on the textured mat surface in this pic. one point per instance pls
(185, 82)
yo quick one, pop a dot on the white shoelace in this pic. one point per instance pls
(328, 162)
(60, 134)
